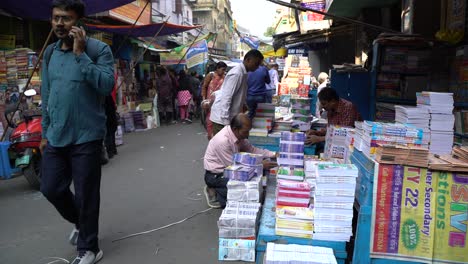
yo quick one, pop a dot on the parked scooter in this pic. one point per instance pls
(25, 141)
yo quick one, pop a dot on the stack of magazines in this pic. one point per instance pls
(333, 201)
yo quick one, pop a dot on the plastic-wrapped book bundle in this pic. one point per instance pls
(333, 201)
(239, 172)
(298, 254)
(245, 191)
(237, 231)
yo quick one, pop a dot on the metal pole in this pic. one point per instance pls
(133, 27)
(349, 20)
(143, 53)
(29, 79)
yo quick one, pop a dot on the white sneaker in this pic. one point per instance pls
(88, 257)
(73, 238)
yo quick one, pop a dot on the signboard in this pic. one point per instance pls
(197, 54)
(311, 20)
(419, 215)
(129, 13)
(252, 42)
(300, 51)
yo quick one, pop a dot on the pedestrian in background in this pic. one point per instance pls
(165, 91)
(76, 76)
(184, 96)
(257, 92)
(233, 92)
(212, 83)
(273, 87)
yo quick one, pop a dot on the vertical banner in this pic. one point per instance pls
(197, 54)
(420, 215)
(451, 217)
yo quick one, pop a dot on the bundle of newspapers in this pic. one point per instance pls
(292, 193)
(333, 201)
(294, 221)
(298, 254)
(291, 149)
(440, 107)
(245, 191)
(237, 231)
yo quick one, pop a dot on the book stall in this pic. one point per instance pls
(292, 107)
(382, 192)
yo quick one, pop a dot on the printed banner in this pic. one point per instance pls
(420, 215)
(172, 58)
(197, 54)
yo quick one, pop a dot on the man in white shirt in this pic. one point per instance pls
(232, 96)
(274, 82)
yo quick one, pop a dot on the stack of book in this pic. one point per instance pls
(374, 134)
(289, 173)
(239, 172)
(333, 201)
(300, 108)
(245, 191)
(335, 142)
(292, 193)
(12, 70)
(294, 222)
(22, 63)
(3, 72)
(293, 144)
(237, 231)
(401, 155)
(298, 254)
(265, 110)
(416, 116)
(282, 126)
(456, 162)
(440, 107)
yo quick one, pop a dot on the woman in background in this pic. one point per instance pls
(211, 84)
(184, 96)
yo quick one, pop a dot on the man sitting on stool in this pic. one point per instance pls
(219, 155)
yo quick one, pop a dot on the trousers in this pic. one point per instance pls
(80, 164)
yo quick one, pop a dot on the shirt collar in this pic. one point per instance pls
(231, 137)
(244, 70)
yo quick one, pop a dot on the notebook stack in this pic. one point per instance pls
(416, 116)
(239, 172)
(310, 168)
(401, 155)
(292, 149)
(298, 254)
(289, 173)
(294, 222)
(265, 110)
(237, 231)
(261, 126)
(440, 107)
(292, 193)
(333, 201)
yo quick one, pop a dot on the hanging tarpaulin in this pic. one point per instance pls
(144, 30)
(252, 42)
(282, 52)
(197, 54)
(173, 57)
(42, 10)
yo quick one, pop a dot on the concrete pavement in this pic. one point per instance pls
(155, 180)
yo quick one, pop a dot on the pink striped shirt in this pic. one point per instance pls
(223, 146)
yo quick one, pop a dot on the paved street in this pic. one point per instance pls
(155, 180)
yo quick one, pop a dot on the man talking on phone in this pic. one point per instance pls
(77, 74)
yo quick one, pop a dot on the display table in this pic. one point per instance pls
(267, 234)
(363, 205)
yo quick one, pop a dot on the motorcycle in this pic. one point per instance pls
(25, 141)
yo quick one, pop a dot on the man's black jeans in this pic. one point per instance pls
(82, 165)
(219, 183)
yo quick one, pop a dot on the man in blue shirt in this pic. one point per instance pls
(77, 74)
(257, 92)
